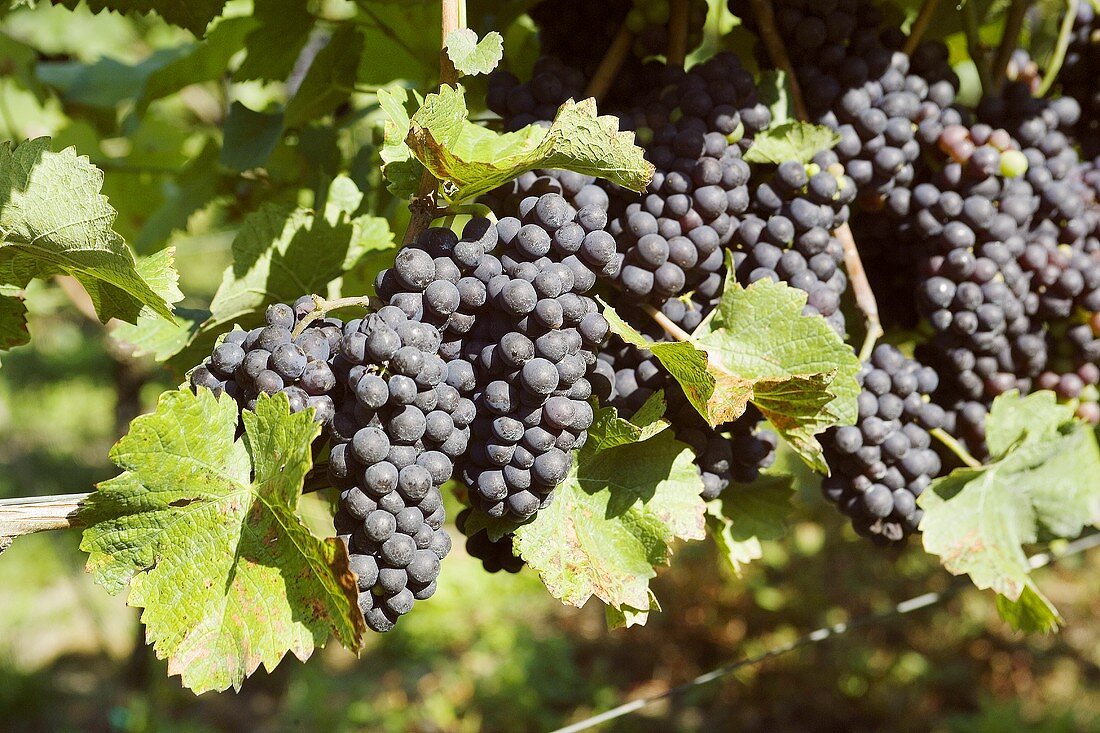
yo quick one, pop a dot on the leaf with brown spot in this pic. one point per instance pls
(758, 347)
(1043, 481)
(203, 527)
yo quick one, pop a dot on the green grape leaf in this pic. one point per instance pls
(472, 160)
(625, 616)
(274, 44)
(613, 520)
(797, 371)
(401, 169)
(786, 141)
(13, 319)
(609, 430)
(152, 334)
(107, 82)
(471, 56)
(745, 514)
(775, 93)
(53, 219)
(250, 137)
(404, 41)
(203, 527)
(330, 79)
(1042, 481)
(194, 15)
(206, 60)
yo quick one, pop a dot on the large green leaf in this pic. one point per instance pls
(471, 160)
(614, 519)
(203, 527)
(53, 220)
(745, 514)
(758, 347)
(1043, 481)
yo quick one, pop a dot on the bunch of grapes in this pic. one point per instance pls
(495, 555)
(523, 341)
(535, 101)
(885, 461)
(788, 236)
(393, 428)
(392, 448)
(670, 239)
(271, 358)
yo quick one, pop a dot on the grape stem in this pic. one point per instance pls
(30, 514)
(857, 275)
(680, 334)
(769, 33)
(865, 296)
(322, 307)
(423, 204)
(920, 25)
(1059, 55)
(1010, 39)
(677, 33)
(955, 447)
(612, 61)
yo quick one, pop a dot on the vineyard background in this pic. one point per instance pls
(490, 652)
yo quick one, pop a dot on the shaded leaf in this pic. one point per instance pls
(194, 15)
(330, 79)
(250, 137)
(274, 44)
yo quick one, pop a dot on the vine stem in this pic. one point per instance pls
(322, 306)
(612, 61)
(1059, 56)
(1010, 39)
(920, 25)
(861, 286)
(777, 51)
(423, 204)
(677, 32)
(30, 514)
(955, 447)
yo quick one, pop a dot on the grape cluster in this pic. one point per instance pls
(495, 555)
(535, 101)
(393, 446)
(884, 462)
(788, 236)
(695, 125)
(393, 427)
(519, 336)
(271, 358)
